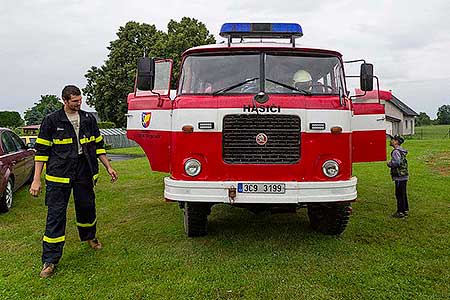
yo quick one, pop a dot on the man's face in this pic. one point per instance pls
(305, 86)
(74, 103)
(394, 143)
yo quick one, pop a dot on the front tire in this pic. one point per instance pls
(6, 200)
(196, 218)
(330, 218)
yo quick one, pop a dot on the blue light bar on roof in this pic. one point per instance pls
(261, 30)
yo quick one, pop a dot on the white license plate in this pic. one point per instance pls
(261, 188)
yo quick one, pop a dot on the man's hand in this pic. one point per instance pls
(113, 174)
(35, 188)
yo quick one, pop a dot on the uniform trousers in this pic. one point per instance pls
(57, 198)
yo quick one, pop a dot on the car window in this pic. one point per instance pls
(8, 144)
(17, 141)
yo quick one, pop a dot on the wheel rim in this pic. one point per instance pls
(9, 194)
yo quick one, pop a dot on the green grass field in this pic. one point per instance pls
(245, 256)
(432, 132)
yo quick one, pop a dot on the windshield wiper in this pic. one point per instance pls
(293, 88)
(226, 89)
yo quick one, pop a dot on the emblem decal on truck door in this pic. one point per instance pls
(145, 118)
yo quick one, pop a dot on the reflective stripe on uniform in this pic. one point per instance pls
(62, 142)
(87, 224)
(54, 240)
(87, 140)
(57, 179)
(99, 139)
(43, 142)
(100, 151)
(40, 158)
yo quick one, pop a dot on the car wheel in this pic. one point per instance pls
(7, 200)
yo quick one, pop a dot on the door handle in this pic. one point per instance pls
(381, 119)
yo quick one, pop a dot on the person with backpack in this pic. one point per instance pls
(399, 173)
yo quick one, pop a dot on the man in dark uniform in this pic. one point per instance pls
(69, 143)
(399, 173)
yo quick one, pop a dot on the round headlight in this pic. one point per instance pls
(192, 167)
(330, 168)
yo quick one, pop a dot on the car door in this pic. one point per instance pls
(10, 158)
(25, 156)
(150, 118)
(369, 127)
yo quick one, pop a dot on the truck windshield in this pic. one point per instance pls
(213, 73)
(240, 74)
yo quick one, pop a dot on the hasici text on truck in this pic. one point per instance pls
(262, 125)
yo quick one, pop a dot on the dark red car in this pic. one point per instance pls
(16, 166)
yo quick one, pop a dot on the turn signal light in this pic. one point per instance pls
(188, 129)
(336, 129)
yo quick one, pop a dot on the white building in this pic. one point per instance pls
(399, 116)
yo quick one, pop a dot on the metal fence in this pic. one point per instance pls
(436, 132)
(117, 138)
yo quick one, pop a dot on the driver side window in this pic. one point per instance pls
(20, 145)
(8, 144)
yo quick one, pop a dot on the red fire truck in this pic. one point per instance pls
(257, 123)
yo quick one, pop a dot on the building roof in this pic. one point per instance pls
(403, 107)
(387, 96)
(31, 127)
(113, 131)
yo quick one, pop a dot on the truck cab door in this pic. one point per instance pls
(149, 117)
(369, 127)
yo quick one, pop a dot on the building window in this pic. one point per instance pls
(406, 124)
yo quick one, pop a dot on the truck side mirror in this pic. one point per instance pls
(366, 77)
(145, 74)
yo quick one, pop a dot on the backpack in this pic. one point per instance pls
(401, 170)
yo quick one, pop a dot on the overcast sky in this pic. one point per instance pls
(46, 44)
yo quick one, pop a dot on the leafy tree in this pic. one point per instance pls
(46, 105)
(106, 125)
(423, 119)
(443, 115)
(108, 86)
(181, 36)
(10, 119)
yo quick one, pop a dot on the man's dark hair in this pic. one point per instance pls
(69, 90)
(399, 139)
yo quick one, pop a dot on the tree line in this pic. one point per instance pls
(109, 84)
(443, 117)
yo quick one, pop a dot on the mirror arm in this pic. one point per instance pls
(353, 61)
(378, 88)
(355, 96)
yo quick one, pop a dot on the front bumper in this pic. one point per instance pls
(296, 192)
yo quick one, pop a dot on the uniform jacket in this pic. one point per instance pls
(399, 164)
(57, 145)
